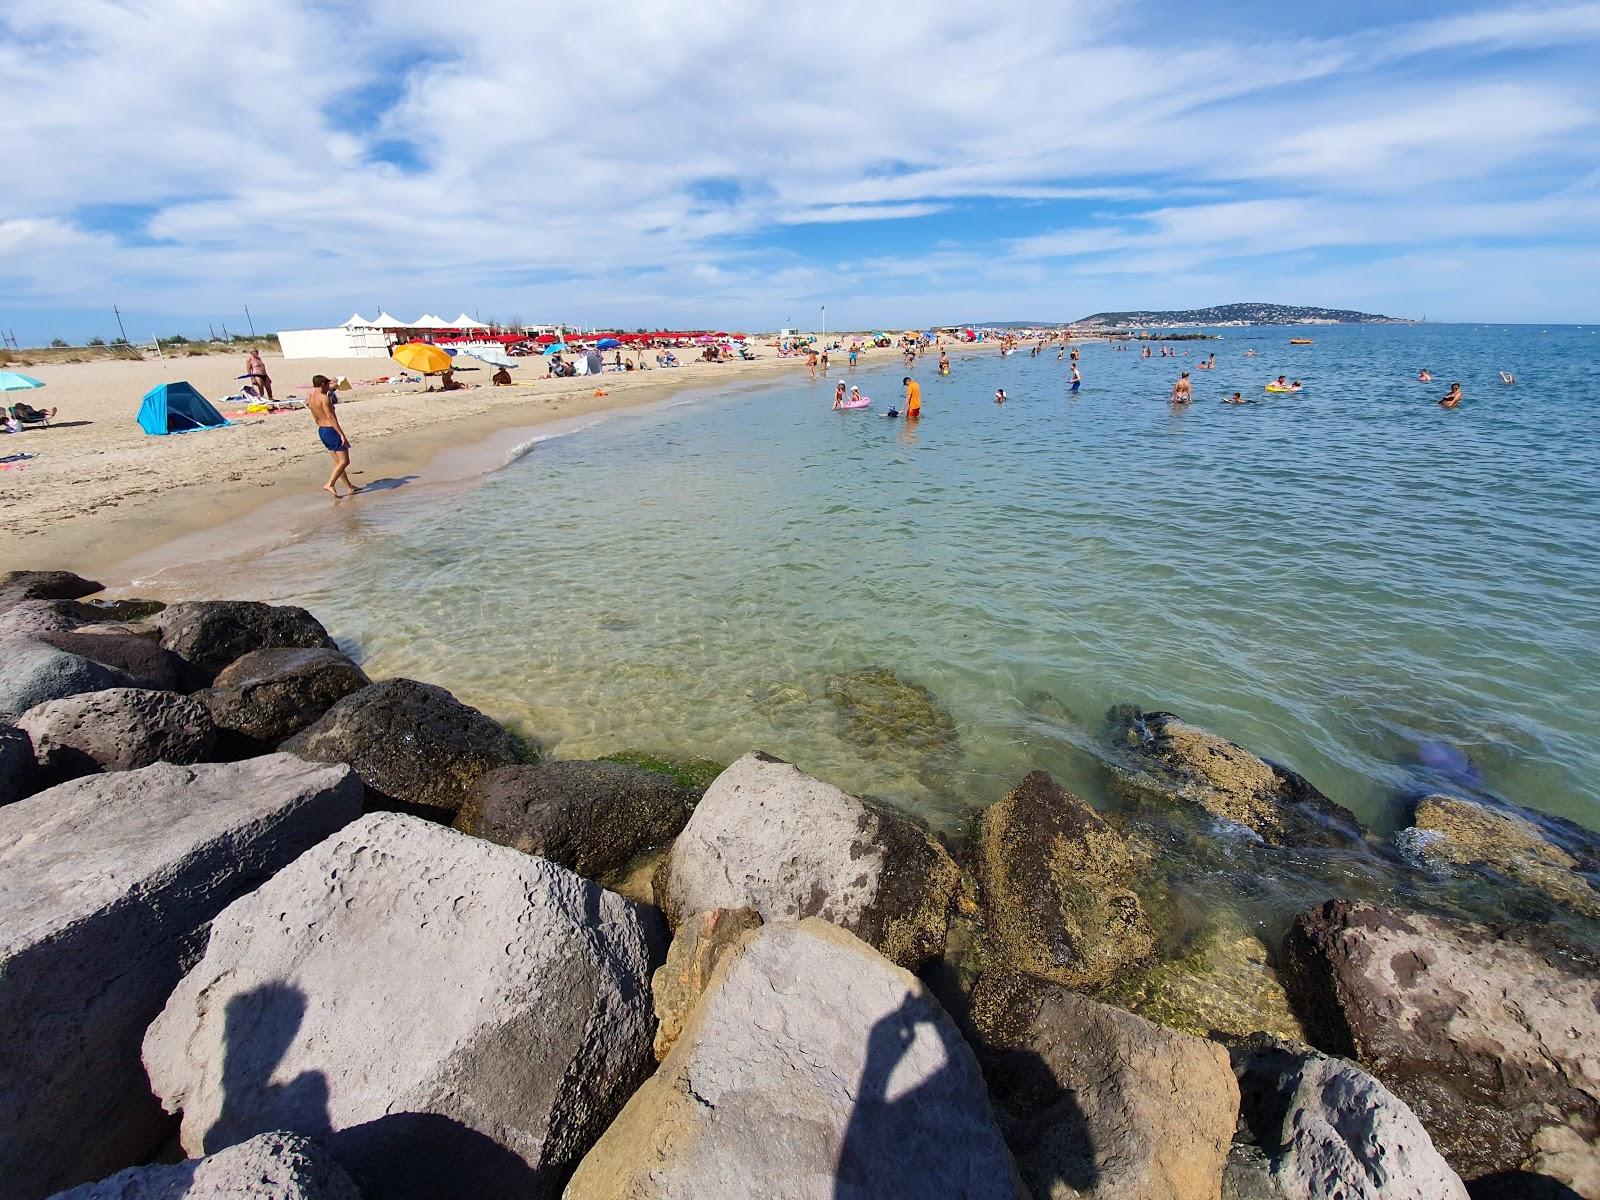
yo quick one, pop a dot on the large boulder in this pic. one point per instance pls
(18, 770)
(32, 672)
(210, 634)
(107, 886)
(30, 618)
(593, 817)
(1327, 1128)
(1452, 834)
(19, 586)
(1103, 1103)
(279, 1166)
(1491, 1035)
(414, 745)
(447, 1016)
(119, 729)
(140, 658)
(1183, 764)
(1055, 881)
(699, 945)
(768, 837)
(268, 695)
(811, 1068)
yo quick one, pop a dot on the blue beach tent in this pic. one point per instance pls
(177, 408)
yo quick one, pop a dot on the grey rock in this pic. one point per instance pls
(768, 837)
(1491, 1035)
(140, 658)
(811, 1069)
(1186, 765)
(592, 817)
(269, 695)
(1056, 884)
(46, 585)
(414, 745)
(271, 1166)
(1327, 1128)
(32, 672)
(30, 618)
(447, 1016)
(210, 634)
(119, 729)
(1103, 1103)
(107, 885)
(18, 770)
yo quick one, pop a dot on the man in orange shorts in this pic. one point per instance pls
(913, 398)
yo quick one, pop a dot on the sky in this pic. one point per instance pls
(739, 164)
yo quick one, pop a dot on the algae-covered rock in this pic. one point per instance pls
(1056, 888)
(881, 709)
(1185, 764)
(695, 774)
(1450, 833)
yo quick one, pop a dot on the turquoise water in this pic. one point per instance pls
(1331, 579)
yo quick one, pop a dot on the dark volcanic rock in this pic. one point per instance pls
(119, 729)
(1055, 883)
(414, 745)
(1104, 1103)
(1182, 763)
(17, 766)
(31, 618)
(146, 663)
(210, 634)
(32, 673)
(44, 585)
(268, 695)
(1491, 1035)
(593, 817)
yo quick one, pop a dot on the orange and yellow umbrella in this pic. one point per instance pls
(420, 356)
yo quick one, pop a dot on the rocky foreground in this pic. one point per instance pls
(270, 927)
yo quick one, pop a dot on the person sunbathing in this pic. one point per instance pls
(29, 415)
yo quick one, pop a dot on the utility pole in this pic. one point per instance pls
(824, 322)
(120, 329)
(249, 321)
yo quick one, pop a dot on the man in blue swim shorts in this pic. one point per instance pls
(320, 402)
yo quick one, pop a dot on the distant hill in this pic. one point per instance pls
(1247, 313)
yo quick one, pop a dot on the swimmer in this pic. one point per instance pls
(1295, 386)
(1507, 378)
(1236, 398)
(838, 396)
(1249, 353)
(1076, 378)
(1183, 390)
(1452, 398)
(1424, 376)
(1000, 395)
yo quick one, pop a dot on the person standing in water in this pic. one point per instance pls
(855, 353)
(1076, 378)
(999, 395)
(838, 395)
(944, 363)
(1183, 390)
(331, 434)
(913, 398)
(1452, 398)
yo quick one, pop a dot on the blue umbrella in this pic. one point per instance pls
(607, 344)
(558, 348)
(10, 381)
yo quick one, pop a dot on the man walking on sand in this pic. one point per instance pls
(257, 371)
(331, 433)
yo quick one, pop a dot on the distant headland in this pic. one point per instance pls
(1246, 313)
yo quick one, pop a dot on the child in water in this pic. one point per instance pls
(838, 396)
(1000, 396)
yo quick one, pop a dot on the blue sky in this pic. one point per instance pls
(644, 163)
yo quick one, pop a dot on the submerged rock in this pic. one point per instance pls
(414, 745)
(210, 634)
(1327, 1128)
(33, 673)
(769, 837)
(880, 709)
(1450, 832)
(591, 817)
(107, 886)
(693, 774)
(700, 944)
(1491, 1035)
(448, 1017)
(266, 696)
(119, 729)
(282, 1166)
(1055, 882)
(1186, 764)
(812, 1069)
(1103, 1103)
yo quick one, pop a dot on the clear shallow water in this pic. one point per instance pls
(1328, 579)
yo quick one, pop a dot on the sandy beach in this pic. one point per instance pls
(97, 491)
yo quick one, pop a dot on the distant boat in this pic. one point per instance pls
(1299, 341)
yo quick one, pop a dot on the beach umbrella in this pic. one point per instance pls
(493, 355)
(558, 348)
(607, 344)
(420, 356)
(11, 381)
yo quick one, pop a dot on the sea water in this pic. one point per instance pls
(1384, 595)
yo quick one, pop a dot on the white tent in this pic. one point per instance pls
(466, 322)
(356, 321)
(429, 321)
(385, 321)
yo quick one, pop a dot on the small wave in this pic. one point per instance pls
(522, 449)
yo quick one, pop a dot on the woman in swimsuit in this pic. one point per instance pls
(838, 396)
